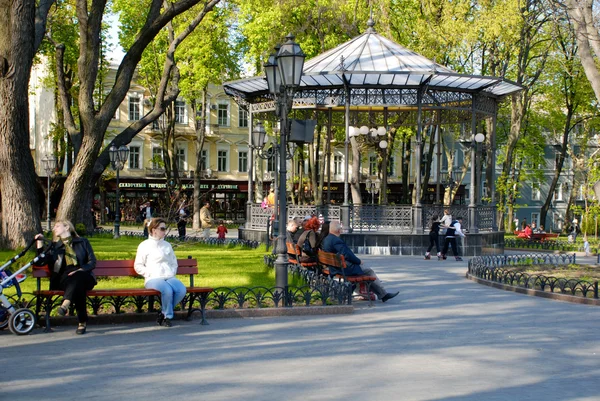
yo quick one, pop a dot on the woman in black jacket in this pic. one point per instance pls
(72, 261)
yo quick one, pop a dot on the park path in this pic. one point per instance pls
(444, 338)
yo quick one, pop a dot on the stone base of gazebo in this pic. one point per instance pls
(378, 243)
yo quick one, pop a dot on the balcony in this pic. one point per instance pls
(155, 172)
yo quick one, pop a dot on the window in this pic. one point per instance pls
(535, 218)
(242, 118)
(203, 159)
(557, 222)
(134, 157)
(535, 191)
(581, 193)
(199, 116)
(180, 112)
(337, 164)
(271, 163)
(222, 160)
(135, 107)
(556, 158)
(561, 191)
(181, 159)
(391, 167)
(243, 161)
(372, 165)
(157, 158)
(223, 115)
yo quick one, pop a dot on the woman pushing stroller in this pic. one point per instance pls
(72, 261)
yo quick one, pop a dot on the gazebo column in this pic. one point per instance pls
(418, 207)
(250, 171)
(473, 223)
(383, 198)
(345, 209)
(493, 167)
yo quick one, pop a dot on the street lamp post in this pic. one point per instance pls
(49, 163)
(118, 157)
(373, 187)
(377, 138)
(283, 72)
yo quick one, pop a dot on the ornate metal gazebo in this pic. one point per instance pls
(371, 78)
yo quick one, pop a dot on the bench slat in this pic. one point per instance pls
(122, 268)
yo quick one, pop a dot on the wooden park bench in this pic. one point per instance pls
(327, 260)
(544, 236)
(539, 236)
(294, 256)
(120, 297)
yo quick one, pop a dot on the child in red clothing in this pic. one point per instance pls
(221, 231)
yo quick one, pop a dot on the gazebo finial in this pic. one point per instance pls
(371, 22)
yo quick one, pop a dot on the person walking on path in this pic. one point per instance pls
(434, 238)
(206, 220)
(452, 231)
(157, 263)
(72, 261)
(354, 266)
(181, 223)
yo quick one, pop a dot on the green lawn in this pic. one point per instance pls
(218, 266)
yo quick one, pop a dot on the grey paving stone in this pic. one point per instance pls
(443, 338)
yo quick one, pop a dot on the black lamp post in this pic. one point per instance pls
(283, 73)
(49, 163)
(118, 157)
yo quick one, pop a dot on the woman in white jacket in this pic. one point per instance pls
(156, 262)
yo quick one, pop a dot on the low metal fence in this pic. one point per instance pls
(497, 269)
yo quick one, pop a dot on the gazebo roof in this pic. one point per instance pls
(371, 60)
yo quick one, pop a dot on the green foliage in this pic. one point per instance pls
(80, 228)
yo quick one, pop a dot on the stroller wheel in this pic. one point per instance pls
(22, 321)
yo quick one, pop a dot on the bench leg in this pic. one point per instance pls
(368, 285)
(203, 298)
(48, 329)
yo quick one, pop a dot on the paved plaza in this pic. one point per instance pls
(443, 338)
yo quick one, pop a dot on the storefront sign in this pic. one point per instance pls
(157, 185)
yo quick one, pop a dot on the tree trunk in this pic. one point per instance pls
(18, 184)
(200, 137)
(586, 33)
(93, 123)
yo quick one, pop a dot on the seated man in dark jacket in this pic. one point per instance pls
(354, 266)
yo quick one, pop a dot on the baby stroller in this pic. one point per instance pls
(19, 320)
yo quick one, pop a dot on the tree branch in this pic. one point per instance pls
(41, 18)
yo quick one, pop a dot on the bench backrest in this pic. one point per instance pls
(331, 259)
(122, 268)
(292, 250)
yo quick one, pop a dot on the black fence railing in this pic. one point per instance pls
(497, 269)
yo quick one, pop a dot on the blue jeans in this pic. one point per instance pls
(171, 290)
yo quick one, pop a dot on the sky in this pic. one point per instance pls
(116, 54)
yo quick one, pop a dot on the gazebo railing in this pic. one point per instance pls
(259, 217)
(367, 218)
(376, 218)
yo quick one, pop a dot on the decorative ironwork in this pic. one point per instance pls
(485, 217)
(491, 268)
(259, 218)
(381, 218)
